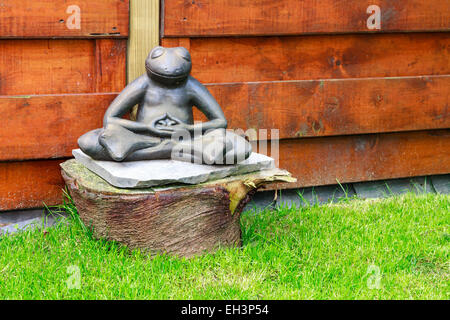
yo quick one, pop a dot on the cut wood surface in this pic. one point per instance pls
(48, 126)
(313, 161)
(283, 17)
(320, 161)
(62, 66)
(144, 35)
(58, 18)
(30, 184)
(217, 60)
(110, 65)
(182, 220)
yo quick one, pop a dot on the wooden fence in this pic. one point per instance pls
(354, 97)
(61, 65)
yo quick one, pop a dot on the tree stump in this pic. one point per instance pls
(183, 220)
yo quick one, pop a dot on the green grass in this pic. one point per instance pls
(395, 248)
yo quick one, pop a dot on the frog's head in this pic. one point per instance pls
(168, 65)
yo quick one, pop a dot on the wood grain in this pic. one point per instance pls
(48, 19)
(182, 221)
(218, 60)
(48, 126)
(110, 65)
(30, 184)
(266, 17)
(336, 107)
(62, 66)
(144, 35)
(321, 161)
(313, 161)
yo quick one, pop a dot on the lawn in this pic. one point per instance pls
(395, 248)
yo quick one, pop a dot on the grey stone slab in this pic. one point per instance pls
(416, 185)
(291, 197)
(21, 225)
(371, 189)
(261, 200)
(315, 195)
(422, 185)
(16, 216)
(149, 173)
(18, 224)
(441, 183)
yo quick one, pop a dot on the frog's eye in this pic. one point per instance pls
(157, 52)
(182, 52)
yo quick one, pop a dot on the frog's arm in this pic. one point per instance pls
(122, 104)
(205, 102)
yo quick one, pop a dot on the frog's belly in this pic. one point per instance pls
(148, 114)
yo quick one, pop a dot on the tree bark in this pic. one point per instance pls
(183, 220)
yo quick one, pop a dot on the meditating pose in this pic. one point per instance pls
(164, 126)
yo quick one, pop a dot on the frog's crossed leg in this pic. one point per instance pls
(114, 142)
(217, 146)
(117, 143)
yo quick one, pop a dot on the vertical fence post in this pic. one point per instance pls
(144, 35)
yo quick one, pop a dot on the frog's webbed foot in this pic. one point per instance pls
(220, 147)
(120, 142)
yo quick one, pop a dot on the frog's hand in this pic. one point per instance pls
(171, 120)
(120, 142)
(164, 121)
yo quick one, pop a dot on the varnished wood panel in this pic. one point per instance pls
(61, 66)
(110, 65)
(48, 126)
(267, 17)
(30, 184)
(336, 107)
(218, 60)
(321, 161)
(313, 161)
(52, 18)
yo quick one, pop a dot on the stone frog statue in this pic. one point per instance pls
(164, 126)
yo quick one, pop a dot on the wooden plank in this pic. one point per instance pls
(266, 17)
(51, 19)
(144, 35)
(321, 161)
(313, 161)
(30, 184)
(218, 60)
(48, 126)
(110, 63)
(336, 107)
(61, 66)
(184, 42)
